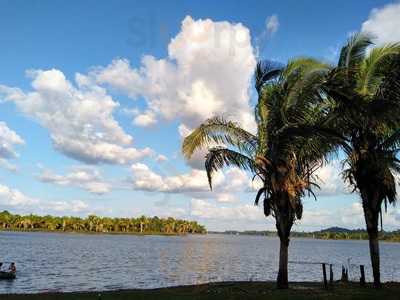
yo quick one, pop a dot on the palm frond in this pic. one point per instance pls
(219, 131)
(266, 71)
(354, 51)
(393, 141)
(307, 87)
(377, 64)
(260, 192)
(218, 158)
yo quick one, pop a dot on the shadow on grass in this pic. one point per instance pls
(231, 290)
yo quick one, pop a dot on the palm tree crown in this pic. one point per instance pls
(365, 89)
(287, 149)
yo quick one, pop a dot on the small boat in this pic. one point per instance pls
(7, 275)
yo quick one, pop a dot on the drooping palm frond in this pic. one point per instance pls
(306, 86)
(219, 157)
(217, 131)
(385, 104)
(266, 71)
(354, 51)
(376, 66)
(391, 142)
(262, 191)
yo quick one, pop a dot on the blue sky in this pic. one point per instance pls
(95, 98)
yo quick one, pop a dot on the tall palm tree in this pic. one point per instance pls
(285, 152)
(365, 89)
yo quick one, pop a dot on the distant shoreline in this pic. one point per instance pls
(296, 235)
(97, 233)
(334, 233)
(97, 224)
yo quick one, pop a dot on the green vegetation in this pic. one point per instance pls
(141, 225)
(285, 153)
(334, 233)
(231, 291)
(364, 89)
(307, 111)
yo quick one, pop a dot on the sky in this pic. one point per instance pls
(96, 98)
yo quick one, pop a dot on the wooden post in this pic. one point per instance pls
(324, 274)
(330, 274)
(345, 277)
(362, 278)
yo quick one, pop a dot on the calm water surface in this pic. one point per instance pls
(74, 262)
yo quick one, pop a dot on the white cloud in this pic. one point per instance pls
(4, 163)
(330, 180)
(79, 118)
(145, 119)
(193, 182)
(8, 140)
(206, 210)
(207, 72)
(272, 24)
(226, 185)
(74, 206)
(18, 202)
(384, 24)
(350, 216)
(13, 197)
(87, 178)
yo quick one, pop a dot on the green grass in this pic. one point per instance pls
(232, 291)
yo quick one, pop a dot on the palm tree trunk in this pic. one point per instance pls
(374, 251)
(282, 280)
(371, 219)
(284, 222)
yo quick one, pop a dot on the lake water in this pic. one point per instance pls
(74, 262)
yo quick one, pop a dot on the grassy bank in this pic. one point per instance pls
(237, 290)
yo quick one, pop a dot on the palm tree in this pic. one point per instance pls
(94, 223)
(285, 152)
(365, 89)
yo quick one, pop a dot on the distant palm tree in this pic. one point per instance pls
(94, 223)
(365, 89)
(285, 152)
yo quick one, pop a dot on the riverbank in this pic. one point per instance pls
(231, 290)
(96, 233)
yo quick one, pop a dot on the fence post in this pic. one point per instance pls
(324, 274)
(362, 278)
(345, 277)
(330, 274)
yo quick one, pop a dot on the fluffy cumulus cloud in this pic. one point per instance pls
(384, 23)
(207, 72)
(84, 177)
(79, 117)
(8, 140)
(193, 182)
(226, 185)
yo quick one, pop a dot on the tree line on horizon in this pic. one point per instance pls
(96, 224)
(309, 112)
(326, 234)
